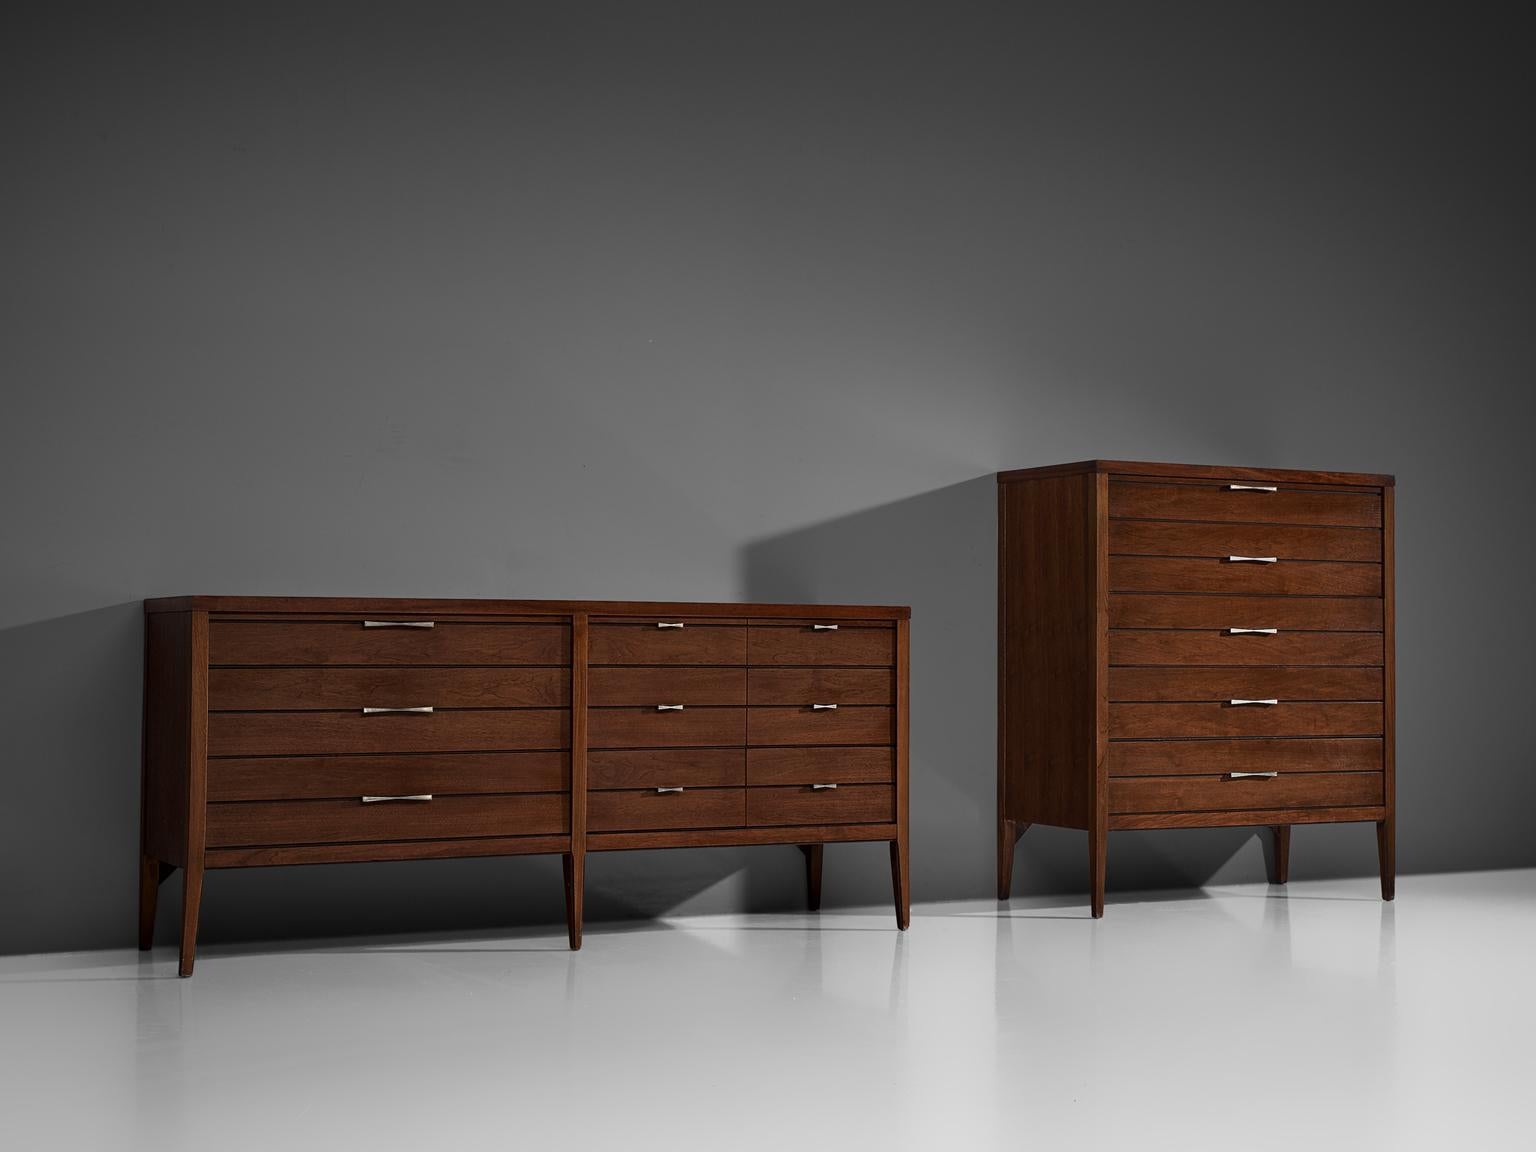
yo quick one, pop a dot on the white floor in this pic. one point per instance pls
(1236, 1018)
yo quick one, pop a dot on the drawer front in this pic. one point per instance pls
(1197, 684)
(651, 728)
(335, 777)
(770, 644)
(646, 810)
(640, 686)
(264, 642)
(821, 686)
(1209, 757)
(1219, 793)
(314, 733)
(1133, 647)
(820, 766)
(271, 822)
(1287, 541)
(632, 643)
(1343, 509)
(1282, 578)
(1292, 613)
(1287, 718)
(322, 688)
(667, 768)
(846, 804)
(805, 725)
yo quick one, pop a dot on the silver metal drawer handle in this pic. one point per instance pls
(1253, 631)
(1251, 775)
(823, 707)
(666, 624)
(423, 710)
(1252, 488)
(399, 623)
(669, 707)
(1253, 559)
(382, 799)
(823, 627)
(823, 787)
(1262, 703)
(661, 790)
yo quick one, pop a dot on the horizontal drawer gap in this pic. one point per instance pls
(353, 796)
(1207, 667)
(1255, 739)
(1222, 631)
(417, 752)
(437, 710)
(375, 667)
(813, 744)
(1256, 523)
(1281, 704)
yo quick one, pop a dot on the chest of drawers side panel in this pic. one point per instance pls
(175, 733)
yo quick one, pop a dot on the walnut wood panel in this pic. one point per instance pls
(637, 686)
(1287, 541)
(651, 728)
(821, 686)
(1220, 793)
(742, 836)
(1240, 817)
(1292, 613)
(274, 822)
(1196, 757)
(647, 809)
(318, 733)
(1128, 646)
(376, 607)
(803, 804)
(261, 857)
(1188, 473)
(649, 644)
(1257, 683)
(769, 644)
(320, 688)
(268, 642)
(167, 770)
(1287, 718)
(821, 766)
(1284, 578)
(328, 777)
(1205, 501)
(859, 724)
(667, 768)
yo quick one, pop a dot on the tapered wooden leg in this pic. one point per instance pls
(1280, 872)
(1096, 847)
(899, 880)
(1008, 834)
(1386, 854)
(812, 875)
(574, 867)
(191, 902)
(150, 876)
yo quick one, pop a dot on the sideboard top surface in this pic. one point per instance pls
(1201, 472)
(450, 607)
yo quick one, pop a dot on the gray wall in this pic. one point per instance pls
(717, 301)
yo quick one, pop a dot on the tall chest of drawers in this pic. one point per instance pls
(308, 730)
(1186, 646)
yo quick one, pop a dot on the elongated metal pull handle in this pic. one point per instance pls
(382, 799)
(1251, 775)
(1263, 703)
(823, 787)
(823, 627)
(669, 707)
(1253, 488)
(1253, 559)
(669, 624)
(399, 623)
(823, 707)
(423, 710)
(1253, 631)
(677, 789)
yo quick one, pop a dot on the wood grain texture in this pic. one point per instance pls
(821, 766)
(1178, 757)
(320, 733)
(439, 607)
(1244, 817)
(803, 645)
(801, 804)
(667, 767)
(847, 724)
(1287, 541)
(1254, 683)
(373, 851)
(1287, 718)
(820, 686)
(646, 809)
(1221, 794)
(1213, 502)
(639, 686)
(330, 777)
(273, 822)
(1207, 574)
(647, 644)
(280, 642)
(1289, 613)
(649, 728)
(1135, 647)
(325, 688)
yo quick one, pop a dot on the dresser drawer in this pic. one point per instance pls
(1215, 501)
(821, 686)
(805, 804)
(1286, 541)
(647, 810)
(1221, 793)
(667, 768)
(653, 728)
(1210, 757)
(241, 823)
(324, 688)
(1287, 718)
(311, 733)
(807, 725)
(1307, 613)
(1208, 574)
(631, 642)
(818, 644)
(1134, 647)
(1148, 684)
(641, 686)
(263, 642)
(820, 766)
(331, 777)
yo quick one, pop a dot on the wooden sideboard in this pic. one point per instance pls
(1184, 646)
(316, 730)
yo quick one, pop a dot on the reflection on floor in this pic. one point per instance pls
(1237, 1017)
